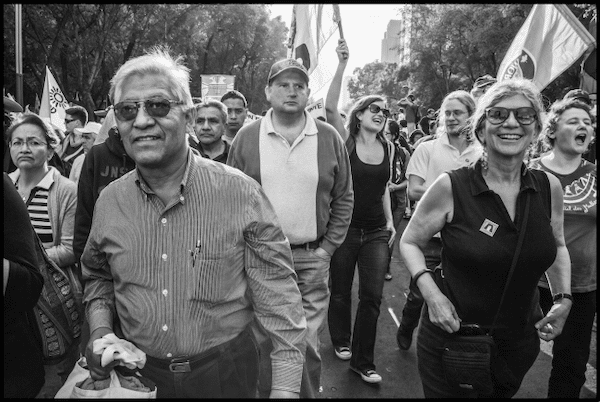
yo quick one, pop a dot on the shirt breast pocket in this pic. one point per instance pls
(215, 276)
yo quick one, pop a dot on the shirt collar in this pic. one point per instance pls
(479, 186)
(46, 181)
(139, 180)
(310, 127)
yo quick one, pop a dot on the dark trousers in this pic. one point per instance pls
(414, 301)
(229, 370)
(519, 355)
(370, 250)
(571, 349)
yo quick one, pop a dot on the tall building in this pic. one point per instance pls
(392, 43)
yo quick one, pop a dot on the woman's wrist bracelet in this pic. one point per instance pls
(421, 272)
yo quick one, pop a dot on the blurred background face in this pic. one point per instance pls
(236, 114)
(208, 126)
(71, 123)
(28, 147)
(455, 117)
(88, 141)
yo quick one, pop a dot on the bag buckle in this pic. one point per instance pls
(180, 367)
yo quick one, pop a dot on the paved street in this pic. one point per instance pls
(399, 368)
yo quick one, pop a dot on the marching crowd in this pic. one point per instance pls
(221, 249)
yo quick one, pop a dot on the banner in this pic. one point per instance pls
(215, 86)
(250, 117)
(311, 28)
(549, 42)
(53, 102)
(317, 109)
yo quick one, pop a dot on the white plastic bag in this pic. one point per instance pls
(80, 373)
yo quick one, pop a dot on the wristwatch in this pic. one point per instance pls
(559, 296)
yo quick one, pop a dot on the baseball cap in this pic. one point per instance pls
(11, 106)
(285, 65)
(101, 112)
(91, 127)
(484, 81)
(579, 94)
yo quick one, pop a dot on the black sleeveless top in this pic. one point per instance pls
(369, 183)
(478, 248)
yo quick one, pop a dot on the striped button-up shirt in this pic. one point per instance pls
(190, 275)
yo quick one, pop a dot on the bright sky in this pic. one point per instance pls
(363, 26)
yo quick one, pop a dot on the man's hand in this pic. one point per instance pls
(342, 51)
(94, 361)
(279, 394)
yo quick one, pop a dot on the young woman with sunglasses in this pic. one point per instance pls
(371, 230)
(479, 210)
(568, 132)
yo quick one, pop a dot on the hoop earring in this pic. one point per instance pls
(358, 125)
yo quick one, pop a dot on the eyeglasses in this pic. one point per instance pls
(67, 121)
(128, 110)
(373, 108)
(498, 115)
(31, 143)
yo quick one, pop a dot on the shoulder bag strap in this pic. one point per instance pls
(522, 230)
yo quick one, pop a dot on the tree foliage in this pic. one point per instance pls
(453, 45)
(85, 44)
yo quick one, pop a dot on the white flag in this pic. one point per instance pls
(549, 42)
(53, 104)
(311, 28)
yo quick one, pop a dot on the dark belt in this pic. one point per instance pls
(311, 245)
(185, 364)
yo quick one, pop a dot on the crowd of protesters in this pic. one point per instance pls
(219, 246)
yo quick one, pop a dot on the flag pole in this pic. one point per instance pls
(18, 54)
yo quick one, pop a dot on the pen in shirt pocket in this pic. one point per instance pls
(195, 253)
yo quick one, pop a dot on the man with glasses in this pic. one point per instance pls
(450, 150)
(304, 169)
(72, 145)
(185, 252)
(237, 111)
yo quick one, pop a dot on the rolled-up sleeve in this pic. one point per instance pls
(275, 295)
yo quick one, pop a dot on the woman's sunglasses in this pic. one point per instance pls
(156, 107)
(498, 115)
(373, 108)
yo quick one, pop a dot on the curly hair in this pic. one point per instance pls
(556, 111)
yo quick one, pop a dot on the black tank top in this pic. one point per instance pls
(478, 248)
(369, 183)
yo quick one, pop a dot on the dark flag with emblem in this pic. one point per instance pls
(53, 104)
(550, 41)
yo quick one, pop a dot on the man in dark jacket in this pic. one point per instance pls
(104, 163)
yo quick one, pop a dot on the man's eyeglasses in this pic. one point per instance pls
(373, 108)
(31, 143)
(498, 115)
(67, 121)
(128, 110)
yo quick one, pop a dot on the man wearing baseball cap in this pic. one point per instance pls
(481, 85)
(303, 166)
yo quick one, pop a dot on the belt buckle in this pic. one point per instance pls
(180, 367)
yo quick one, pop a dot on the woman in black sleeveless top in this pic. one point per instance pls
(479, 210)
(367, 242)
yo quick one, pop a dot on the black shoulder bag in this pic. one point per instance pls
(470, 359)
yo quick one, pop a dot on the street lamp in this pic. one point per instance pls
(446, 75)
